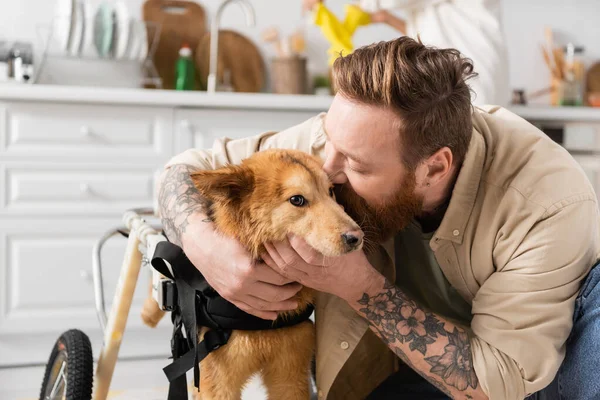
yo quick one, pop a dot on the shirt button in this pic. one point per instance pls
(320, 394)
(344, 345)
(455, 232)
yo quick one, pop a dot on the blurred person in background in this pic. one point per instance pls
(471, 26)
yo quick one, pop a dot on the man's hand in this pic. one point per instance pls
(386, 17)
(229, 269)
(308, 5)
(347, 276)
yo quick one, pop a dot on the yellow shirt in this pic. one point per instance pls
(519, 235)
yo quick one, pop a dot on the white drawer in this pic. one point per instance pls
(96, 131)
(42, 189)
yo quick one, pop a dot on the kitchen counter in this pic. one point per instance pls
(164, 98)
(263, 101)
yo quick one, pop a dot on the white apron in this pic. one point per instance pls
(471, 26)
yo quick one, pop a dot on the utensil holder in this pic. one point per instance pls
(289, 75)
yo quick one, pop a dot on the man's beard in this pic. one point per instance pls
(382, 221)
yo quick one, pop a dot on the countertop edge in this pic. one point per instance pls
(164, 98)
(262, 101)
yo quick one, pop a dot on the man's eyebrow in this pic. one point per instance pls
(354, 158)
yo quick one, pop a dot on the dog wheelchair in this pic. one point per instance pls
(69, 373)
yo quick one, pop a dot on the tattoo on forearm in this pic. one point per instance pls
(178, 198)
(398, 319)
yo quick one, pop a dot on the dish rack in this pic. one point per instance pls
(92, 48)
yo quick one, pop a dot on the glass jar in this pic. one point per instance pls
(571, 86)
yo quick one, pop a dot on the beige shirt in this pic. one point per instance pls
(519, 235)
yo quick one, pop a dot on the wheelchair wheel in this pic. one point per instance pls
(70, 369)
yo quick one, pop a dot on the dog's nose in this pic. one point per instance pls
(352, 239)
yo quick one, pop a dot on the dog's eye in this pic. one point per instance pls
(298, 201)
(331, 194)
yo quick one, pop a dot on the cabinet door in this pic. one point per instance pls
(199, 128)
(46, 288)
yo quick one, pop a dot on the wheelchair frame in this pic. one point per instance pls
(141, 235)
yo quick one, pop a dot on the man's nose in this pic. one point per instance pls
(334, 171)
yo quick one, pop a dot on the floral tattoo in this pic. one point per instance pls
(178, 198)
(399, 320)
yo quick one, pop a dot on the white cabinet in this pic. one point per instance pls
(199, 128)
(68, 171)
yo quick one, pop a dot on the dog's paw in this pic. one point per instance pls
(151, 313)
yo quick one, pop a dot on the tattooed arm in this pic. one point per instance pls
(252, 287)
(179, 202)
(434, 347)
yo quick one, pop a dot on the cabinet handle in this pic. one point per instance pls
(85, 275)
(186, 124)
(85, 189)
(85, 132)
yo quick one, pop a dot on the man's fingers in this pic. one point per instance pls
(268, 315)
(283, 254)
(304, 250)
(288, 271)
(273, 256)
(272, 293)
(264, 272)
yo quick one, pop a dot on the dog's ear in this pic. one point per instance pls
(228, 184)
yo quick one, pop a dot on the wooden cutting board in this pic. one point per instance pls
(237, 54)
(180, 22)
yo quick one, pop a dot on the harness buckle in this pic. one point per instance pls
(164, 291)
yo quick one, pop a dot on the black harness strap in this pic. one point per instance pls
(179, 347)
(197, 304)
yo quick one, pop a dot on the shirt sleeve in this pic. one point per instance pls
(523, 313)
(307, 136)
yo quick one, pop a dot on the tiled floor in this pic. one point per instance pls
(132, 380)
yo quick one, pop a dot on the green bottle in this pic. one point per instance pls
(185, 75)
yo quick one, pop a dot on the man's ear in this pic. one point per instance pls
(439, 165)
(228, 184)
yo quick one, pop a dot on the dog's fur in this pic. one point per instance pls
(251, 202)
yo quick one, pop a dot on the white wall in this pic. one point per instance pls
(575, 20)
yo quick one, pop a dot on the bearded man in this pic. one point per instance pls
(478, 281)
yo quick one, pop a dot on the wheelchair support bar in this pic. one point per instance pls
(117, 320)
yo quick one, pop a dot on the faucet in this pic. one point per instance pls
(214, 38)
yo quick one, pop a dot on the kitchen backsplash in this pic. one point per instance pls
(574, 20)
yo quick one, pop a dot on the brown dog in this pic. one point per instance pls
(271, 194)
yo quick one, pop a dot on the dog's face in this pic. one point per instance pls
(274, 193)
